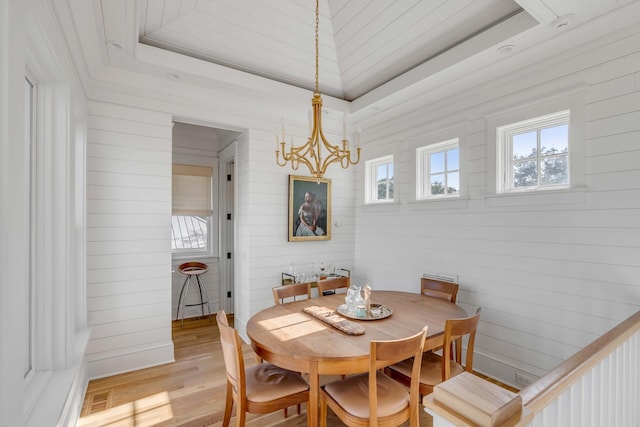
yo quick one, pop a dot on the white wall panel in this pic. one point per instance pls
(130, 247)
(124, 327)
(128, 251)
(127, 300)
(123, 314)
(121, 288)
(551, 271)
(128, 340)
(120, 193)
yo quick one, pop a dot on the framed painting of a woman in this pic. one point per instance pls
(309, 208)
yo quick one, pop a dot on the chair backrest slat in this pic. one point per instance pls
(454, 330)
(291, 291)
(386, 353)
(332, 283)
(231, 353)
(439, 289)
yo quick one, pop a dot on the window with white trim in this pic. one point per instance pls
(379, 180)
(192, 219)
(534, 154)
(438, 170)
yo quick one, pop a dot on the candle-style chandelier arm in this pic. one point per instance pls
(311, 153)
(338, 154)
(296, 155)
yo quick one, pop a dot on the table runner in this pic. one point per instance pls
(330, 317)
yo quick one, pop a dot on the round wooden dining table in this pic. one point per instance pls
(288, 337)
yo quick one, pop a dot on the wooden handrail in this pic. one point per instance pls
(547, 388)
(539, 395)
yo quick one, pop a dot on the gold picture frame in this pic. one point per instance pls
(309, 208)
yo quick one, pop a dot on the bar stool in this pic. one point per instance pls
(193, 269)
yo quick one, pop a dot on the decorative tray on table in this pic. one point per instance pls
(384, 313)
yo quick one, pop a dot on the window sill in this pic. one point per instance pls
(183, 257)
(383, 206)
(570, 196)
(439, 203)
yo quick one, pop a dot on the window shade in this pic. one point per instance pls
(191, 192)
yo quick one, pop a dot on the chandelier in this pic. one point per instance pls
(312, 153)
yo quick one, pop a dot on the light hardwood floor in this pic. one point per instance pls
(188, 393)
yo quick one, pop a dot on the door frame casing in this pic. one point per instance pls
(227, 227)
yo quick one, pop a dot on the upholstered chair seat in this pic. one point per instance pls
(392, 396)
(266, 382)
(431, 371)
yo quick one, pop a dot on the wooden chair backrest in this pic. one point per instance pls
(290, 291)
(232, 355)
(439, 289)
(332, 283)
(386, 353)
(454, 330)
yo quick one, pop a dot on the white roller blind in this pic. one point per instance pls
(191, 193)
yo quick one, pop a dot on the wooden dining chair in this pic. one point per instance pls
(436, 368)
(331, 284)
(374, 399)
(259, 389)
(280, 293)
(439, 289)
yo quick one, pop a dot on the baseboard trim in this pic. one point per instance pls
(132, 361)
(498, 370)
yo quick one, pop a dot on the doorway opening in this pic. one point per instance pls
(202, 147)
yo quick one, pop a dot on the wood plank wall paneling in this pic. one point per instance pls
(128, 229)
(551, 273)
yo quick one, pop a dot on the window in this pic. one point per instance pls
(534, 154)
(438, 170)
(191, 221)
(379, 180)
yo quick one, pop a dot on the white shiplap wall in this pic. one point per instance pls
(552, 272)
(263, 251)
(128, 229)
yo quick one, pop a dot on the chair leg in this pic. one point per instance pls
(180, 298)
(228, 406)
(414, 420)
(240, 417)
(203, 297)
(184, 301)
(323, 411)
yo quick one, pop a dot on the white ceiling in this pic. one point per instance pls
(374, 54)
(363, 43)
